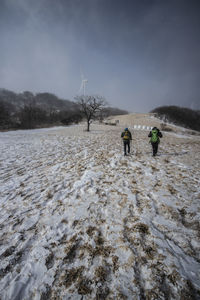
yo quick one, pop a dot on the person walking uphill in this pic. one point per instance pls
(155, 135)
(127, 137)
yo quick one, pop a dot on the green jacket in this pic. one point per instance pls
(155, 135)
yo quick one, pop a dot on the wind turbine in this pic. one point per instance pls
(84, 81)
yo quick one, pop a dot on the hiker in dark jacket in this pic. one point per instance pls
(155, 135)
(127, 137)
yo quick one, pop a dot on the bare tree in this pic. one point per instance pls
(91, 107)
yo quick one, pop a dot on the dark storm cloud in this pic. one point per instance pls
(138, 54)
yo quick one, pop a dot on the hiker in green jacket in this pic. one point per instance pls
(155, 135)
(127, 137)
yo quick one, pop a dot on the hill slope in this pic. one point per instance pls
(80, 220)
(45, 101)
(27, 111)
(180, 116)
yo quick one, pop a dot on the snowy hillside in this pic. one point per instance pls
(81, 221)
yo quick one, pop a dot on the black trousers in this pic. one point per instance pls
(155, 148)
(126, 145)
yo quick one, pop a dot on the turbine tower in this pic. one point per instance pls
(84, 81)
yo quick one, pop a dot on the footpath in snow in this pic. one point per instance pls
(79, 220)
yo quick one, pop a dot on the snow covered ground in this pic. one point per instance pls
(79, 220)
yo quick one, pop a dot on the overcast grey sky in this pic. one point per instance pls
(137, 54)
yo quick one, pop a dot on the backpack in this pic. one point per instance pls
(154, 136)
(126, 135)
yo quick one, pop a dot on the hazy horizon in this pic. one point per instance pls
(137, 54)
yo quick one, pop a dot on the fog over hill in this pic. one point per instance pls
(27, 110)
(179, 115)
(45, 101)
(138, 54)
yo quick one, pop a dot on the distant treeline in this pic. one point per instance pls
(27, 110)
(180, 116)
